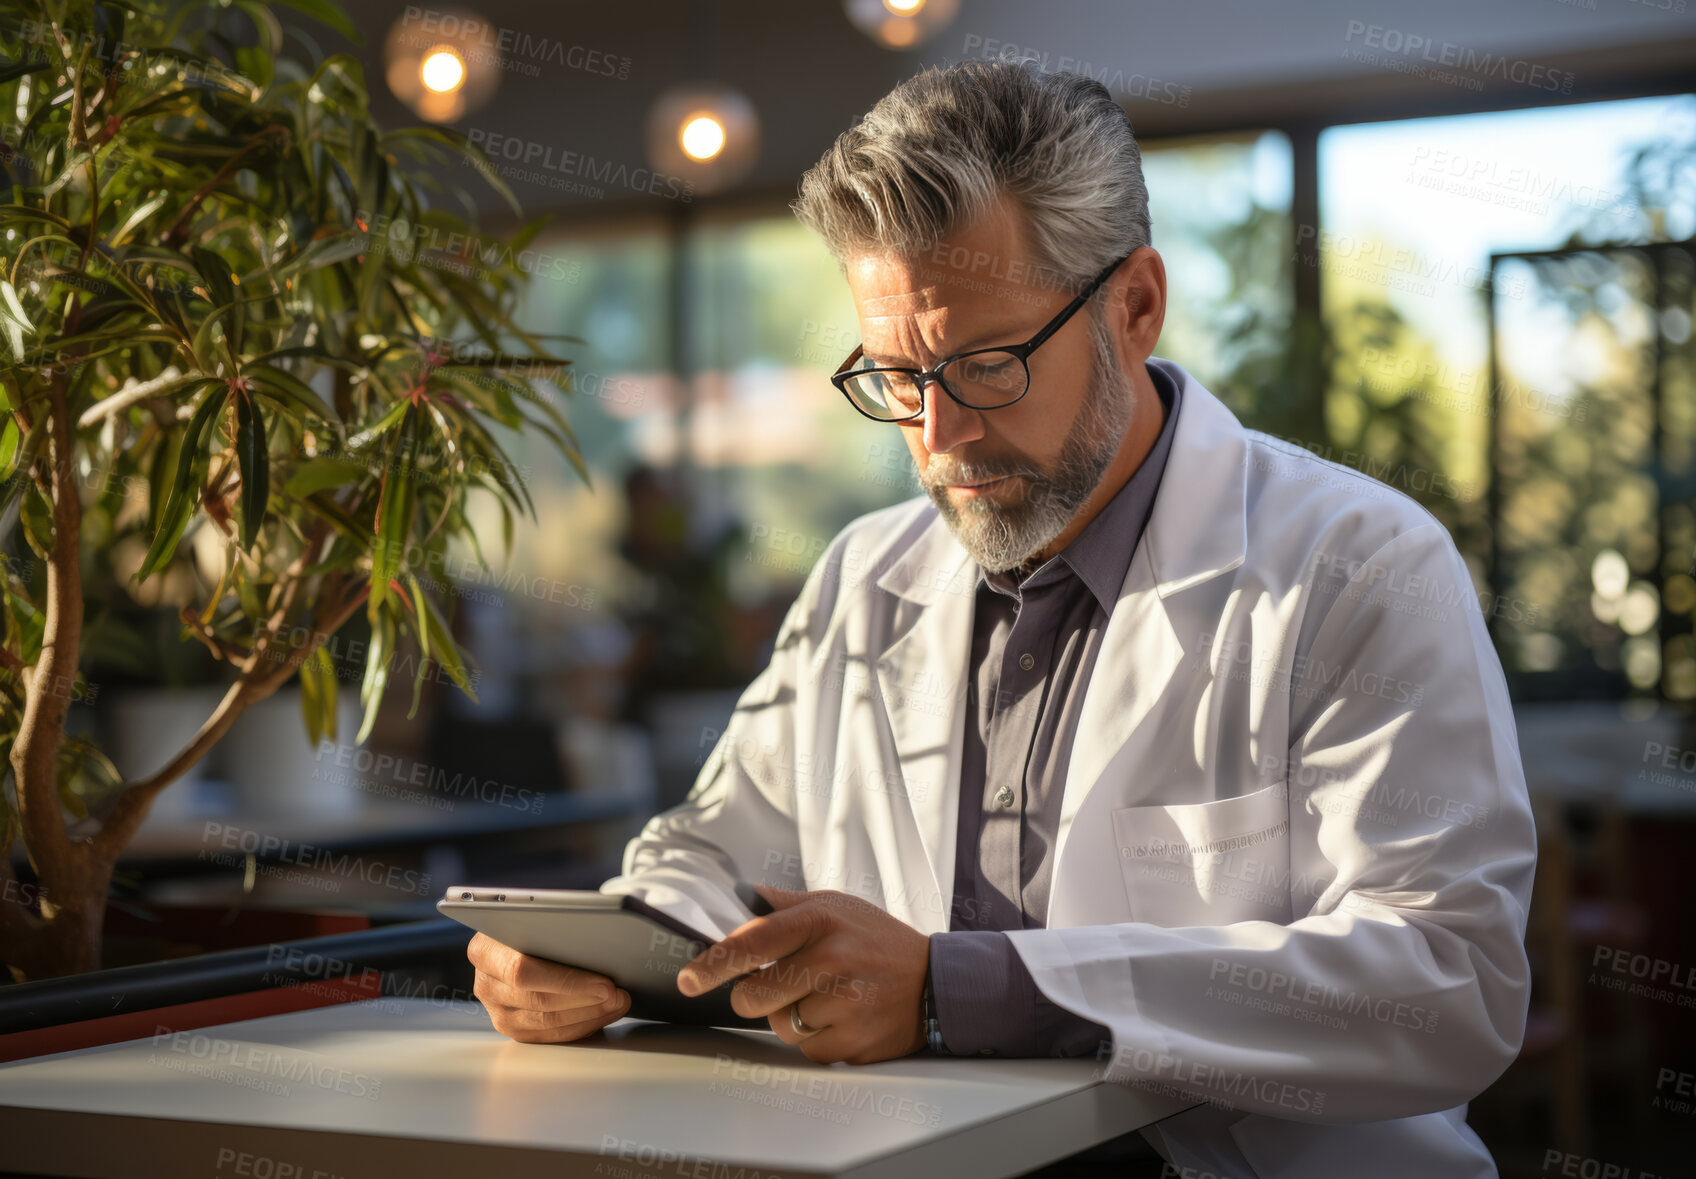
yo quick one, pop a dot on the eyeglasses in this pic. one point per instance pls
(984, 378)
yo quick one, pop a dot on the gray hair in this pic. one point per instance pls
(937, 151)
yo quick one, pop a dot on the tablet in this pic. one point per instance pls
(640, 948)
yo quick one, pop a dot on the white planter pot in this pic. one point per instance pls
(148, 727)
(269, 760)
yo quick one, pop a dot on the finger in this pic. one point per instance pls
(528, 1019)
(782, 983)
(833, 1045)
(534, 974)
(491, 990)
(781, 898)
(511, 1019)
(536, 1027)
(763, 940)
(782, 1021)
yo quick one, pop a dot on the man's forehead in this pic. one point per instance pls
(914, 302)
(888, 284)
(888, 288)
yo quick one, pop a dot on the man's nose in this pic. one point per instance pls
(947, 423)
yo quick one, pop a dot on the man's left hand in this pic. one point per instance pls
(854, 973)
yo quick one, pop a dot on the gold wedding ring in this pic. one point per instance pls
(800, 1028)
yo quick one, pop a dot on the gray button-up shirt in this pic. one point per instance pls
(1034, 645)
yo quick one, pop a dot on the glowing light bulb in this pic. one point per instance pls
(898, 32)
(443, 71)
(904, 7)
(702, 137)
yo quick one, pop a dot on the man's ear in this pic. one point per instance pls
(1140, 308)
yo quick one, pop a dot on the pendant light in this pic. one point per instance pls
(702, 131)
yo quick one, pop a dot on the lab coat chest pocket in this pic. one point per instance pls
(1208, 863)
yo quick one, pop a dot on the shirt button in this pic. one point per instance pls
(1004, 797)
(1027, 661)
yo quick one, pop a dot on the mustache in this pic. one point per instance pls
(941, 472)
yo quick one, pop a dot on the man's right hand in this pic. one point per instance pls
(535, 1001)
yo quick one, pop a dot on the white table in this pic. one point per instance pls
(416, 1088)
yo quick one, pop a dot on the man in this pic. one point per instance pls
(1140, 737)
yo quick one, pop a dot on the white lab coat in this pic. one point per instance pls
(1295, 850)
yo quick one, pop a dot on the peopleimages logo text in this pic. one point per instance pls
(1447, 53)
(545, 157)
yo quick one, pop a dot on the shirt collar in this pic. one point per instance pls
(1100, 555)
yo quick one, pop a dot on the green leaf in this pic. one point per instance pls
(423, 645)
(254, 462)
(255, 63)
(72, 801)
(325, 12)
(292, 392)
(82, 763)
(215, 272)
(381, 426)
(137, 215)
(318, 695)
(355, 530)
(248, 595)
(185, 493)
(492, 396)
(379, 656)
(11, 308)
(323, 473)
(324, 251)
(9, 439)
(73, 166)
(480, 442)
(394, 510)
(37, 516)
(11, 72)
(202, 348)
(221, 293)
(445, 651)
(164, 462)
(29, 625)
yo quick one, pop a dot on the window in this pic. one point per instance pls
(1412, 212)
(1220, 211)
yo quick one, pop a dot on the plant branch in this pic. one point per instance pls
(220, 647)
(250, 689)
(174, 234)
(47, 696)
(93, 210)
(284, 594)
(17, 923)
(130, 394)
(324, 624)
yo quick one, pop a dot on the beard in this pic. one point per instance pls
(1003, 535)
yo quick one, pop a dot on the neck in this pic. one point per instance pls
(1148, 418)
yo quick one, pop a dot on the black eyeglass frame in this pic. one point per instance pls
(922, 377)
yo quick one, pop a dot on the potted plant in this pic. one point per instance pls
(252, 366)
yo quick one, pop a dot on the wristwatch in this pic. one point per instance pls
(930, 1025)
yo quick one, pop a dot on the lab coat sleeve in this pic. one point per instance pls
(738, 820)
(1412, 938)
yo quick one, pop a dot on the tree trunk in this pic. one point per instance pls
(67, 941)
(75, 874)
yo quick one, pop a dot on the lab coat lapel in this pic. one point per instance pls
(922, 676)
(1195, 532)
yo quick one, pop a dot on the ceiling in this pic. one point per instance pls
(1199, 65)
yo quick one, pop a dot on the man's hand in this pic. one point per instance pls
(855, 972)
(539, 1002)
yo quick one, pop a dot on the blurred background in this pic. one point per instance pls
(1447, 243)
